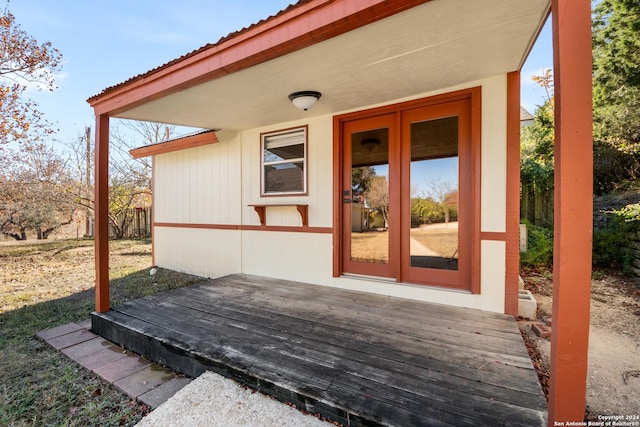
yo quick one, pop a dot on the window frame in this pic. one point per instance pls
(305, 173)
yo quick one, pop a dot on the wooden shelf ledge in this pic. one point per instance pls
(261, 210)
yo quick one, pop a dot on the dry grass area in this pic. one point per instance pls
(443, 241)
(373, 246)
(45, 284)
(370, 246)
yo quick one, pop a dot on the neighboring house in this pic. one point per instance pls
(406, 87)
(359, 216)
(526, 119)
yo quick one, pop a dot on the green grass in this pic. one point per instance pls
(38, 385)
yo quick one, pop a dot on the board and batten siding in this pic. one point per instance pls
(198, 186)
(216, 184)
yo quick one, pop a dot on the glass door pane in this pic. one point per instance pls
(370, 201)
(369, 232)
(433, 235)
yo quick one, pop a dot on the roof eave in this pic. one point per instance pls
(295, 28)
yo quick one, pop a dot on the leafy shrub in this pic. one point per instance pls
(539, 252)
(608, 250)
(610, 244)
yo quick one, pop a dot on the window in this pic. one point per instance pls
(284, 162)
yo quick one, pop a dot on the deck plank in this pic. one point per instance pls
(357, 358)
(396, 347)
(385, 357)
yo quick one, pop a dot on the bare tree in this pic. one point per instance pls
(34, 193)
(129, 178)
(377, 197)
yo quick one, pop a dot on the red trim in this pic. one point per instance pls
(310, 23)
(280, 228)
(153, 209)
(101, 213)
(287, 229)
(476, 176)
(572, 210)
(179, 144)
(337, 197)
(493, 235)
(387, 269)
(512, 270)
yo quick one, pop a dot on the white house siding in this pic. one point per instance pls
(198, 186)
(204, 185)
(206, 253)
(494, 155)
(303, 257)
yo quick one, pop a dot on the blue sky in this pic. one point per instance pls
(107, 42)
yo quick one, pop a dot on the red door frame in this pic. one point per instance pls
(388, 270)
(448, 278)
(473, 235)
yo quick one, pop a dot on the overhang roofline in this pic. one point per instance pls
(303, 25)
(188, 141)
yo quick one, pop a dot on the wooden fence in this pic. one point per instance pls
(536, 205)
(132, 223)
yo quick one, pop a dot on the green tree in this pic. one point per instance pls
(361, 179)
(425, 210)
(536, 149)
(616, 93)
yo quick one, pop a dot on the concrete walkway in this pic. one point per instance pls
(418, 249)
(140, 379)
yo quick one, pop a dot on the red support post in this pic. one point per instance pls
(512, 271)
(573, 209)
(101, 213)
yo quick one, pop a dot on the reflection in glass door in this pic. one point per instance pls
(370, 196)
(436, 195)
(407, 195)
(368, 217)
(434, 199)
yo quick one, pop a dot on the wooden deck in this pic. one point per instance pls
(356, 358)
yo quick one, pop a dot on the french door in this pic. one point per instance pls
(370, 196)
(407, 202)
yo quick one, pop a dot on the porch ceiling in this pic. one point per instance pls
(439, 44)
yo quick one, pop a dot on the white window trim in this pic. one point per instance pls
(284, 134)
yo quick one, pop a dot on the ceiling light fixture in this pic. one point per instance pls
(305, 99)
(370, 143)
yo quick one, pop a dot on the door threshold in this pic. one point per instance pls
(393, 281)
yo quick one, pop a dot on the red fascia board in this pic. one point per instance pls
(178, 144)
(305, 25)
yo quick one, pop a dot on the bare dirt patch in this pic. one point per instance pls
(613, 382)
